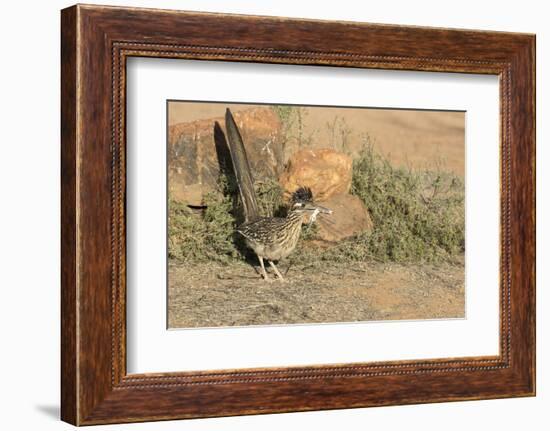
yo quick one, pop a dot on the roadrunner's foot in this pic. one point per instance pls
(263, 272)
(276, 271)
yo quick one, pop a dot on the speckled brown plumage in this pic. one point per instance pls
(273, 238)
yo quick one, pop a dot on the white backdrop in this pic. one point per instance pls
(151, 348)
(29, 215)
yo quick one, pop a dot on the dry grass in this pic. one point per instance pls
(418, 216)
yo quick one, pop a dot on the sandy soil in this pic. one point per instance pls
(418, 139)
(208, 295)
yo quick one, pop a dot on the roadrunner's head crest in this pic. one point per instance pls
(302, 194)
(302, 202)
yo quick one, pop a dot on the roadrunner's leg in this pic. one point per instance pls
(264, 274)
(276, 271)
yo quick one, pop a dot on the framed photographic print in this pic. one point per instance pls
(267, 215)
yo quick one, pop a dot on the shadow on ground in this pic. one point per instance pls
(52, 411)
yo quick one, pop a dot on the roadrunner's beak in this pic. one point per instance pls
(316, 210)
(324, 210)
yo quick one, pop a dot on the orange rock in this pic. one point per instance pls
(349, 217)
(327, 172)
(196, 152)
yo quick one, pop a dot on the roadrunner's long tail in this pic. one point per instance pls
(243, 173)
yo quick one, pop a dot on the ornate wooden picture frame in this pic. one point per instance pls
(96, 41)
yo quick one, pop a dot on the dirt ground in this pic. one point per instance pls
(209, 295)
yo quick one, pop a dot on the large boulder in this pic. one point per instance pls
(349, 217)
(327, 172)
(197, 152)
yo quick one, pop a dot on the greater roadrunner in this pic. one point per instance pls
(271, 238)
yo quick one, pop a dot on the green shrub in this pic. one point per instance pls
(417, 215)
(202, 237)
(270, 198)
